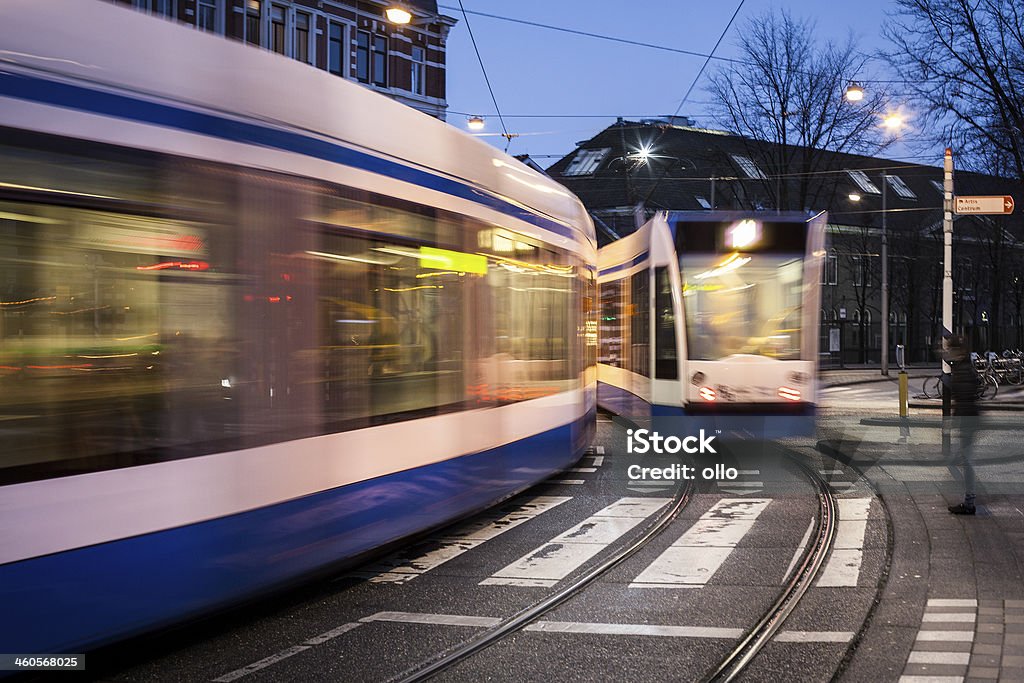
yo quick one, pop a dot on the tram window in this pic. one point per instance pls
(390, 328)
(531, 290)
(612, 326)
(640, 327)
(742, 304)
(143, 327)
(666, 356)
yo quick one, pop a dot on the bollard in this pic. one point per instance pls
(903, 393)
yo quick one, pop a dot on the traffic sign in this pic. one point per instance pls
(995, 204)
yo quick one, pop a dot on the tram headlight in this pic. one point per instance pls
(708, 394)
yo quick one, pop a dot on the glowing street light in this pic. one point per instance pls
(893, 122)
(475, 122)
(854, 92)
(854, 197)
(397, 14)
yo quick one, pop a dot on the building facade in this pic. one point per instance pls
(633, 168)
(349, 38)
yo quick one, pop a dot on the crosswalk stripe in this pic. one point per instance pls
(401, 569)
(556, 559)
(843, 566)
(694, 558)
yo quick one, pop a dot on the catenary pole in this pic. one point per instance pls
(947, 277)
(885, 281)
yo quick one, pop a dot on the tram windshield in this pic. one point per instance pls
(742, 304)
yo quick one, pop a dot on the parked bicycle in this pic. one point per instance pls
(988, 386)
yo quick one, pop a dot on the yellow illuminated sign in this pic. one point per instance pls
(444, 259)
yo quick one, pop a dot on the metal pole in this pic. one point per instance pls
(885, 283)
(712, 193)
(947, 281)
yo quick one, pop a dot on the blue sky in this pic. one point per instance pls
(538, 71)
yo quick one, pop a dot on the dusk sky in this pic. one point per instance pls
(539, 71)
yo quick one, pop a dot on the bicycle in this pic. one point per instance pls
(988, 386)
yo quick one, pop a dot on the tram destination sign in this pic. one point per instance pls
(974, 205)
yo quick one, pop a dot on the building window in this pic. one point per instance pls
(162, 7)
(702, 201)
(335, 54)
(277, 29)
(363, 57)
(586, 161)
(252, 21)
(418, 70)
(302, 51)
(206, 16)
(830, 270)
(900, 187)
(863, 182)
(862, 271)
(747, 165)
(938, 186)
(380, 60)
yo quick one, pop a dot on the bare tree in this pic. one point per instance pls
(964, 62)
(787, 89)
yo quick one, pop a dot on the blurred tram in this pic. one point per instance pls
(728, 302)
(255, 322)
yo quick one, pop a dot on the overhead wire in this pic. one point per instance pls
(487, 80)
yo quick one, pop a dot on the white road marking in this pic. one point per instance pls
(566, 481)
(599, 450)
(599, 628)
(695, 557)
(635, 629)
(556, 559)
(582, 469)
(843, 567)
(262, 664)
(955, 658)
(814, 637)
(598, 460)
(438, 619)
(946, 636)
(333, 633)
(949, 617)
(800, 549)
(401, 569)
(836, 389)
(954, 602)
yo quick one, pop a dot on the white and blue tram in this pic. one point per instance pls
(711, 313)
(255, 322)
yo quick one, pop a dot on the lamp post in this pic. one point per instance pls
(885, 281)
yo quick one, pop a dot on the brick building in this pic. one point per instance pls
(350, 38)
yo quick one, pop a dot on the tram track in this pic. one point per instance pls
(522, 618)
(748, 646)
(794, 589)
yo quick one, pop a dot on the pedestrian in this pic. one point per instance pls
(964, 392)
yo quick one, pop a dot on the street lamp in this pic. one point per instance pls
(398, 14)
(854, 92)
(475, 122)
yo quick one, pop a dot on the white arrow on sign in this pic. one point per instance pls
(986, 205)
